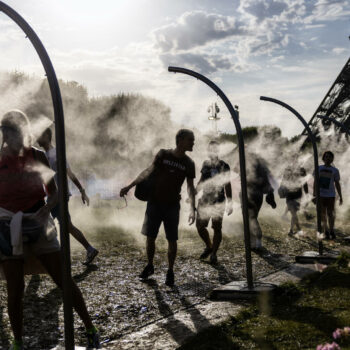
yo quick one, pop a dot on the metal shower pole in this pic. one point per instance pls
(316, 173)
(61, 168)
(242, 164)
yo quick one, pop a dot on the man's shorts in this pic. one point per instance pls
(327, 203)
(293, 204)
(55, 211)
(255, 200)
(40, 247)
(156, 213)
(215, 212)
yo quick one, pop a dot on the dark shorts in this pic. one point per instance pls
(255, 200)
(327, 203)
(293, 204)
(55, 211)
(156, 213)
(215, 212)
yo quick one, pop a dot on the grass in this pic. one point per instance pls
(300, 316)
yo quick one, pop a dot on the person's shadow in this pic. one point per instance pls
(4, 337)
(224, 276)
(176, 328)
(41, 319)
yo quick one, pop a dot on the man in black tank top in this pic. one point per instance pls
(170, 168)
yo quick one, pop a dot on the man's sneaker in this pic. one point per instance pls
(147, 271)
(327, 235)
(90, 255)
(93, 338)
(332, 234)
(206, 253)
(213, 259)
(16, 345)
(169, 280)
(290, 233)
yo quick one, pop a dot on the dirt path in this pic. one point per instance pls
(120, 304)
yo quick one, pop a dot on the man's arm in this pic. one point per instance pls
(52, 198)
(77, 183)
(228, 193)
(192, 196)
(338, 187)
(140, 178)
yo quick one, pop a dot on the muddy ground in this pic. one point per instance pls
(120, 303)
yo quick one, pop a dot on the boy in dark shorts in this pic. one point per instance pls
(292, 185)
(329, 181)
(258, 184)
(216, 186)
(170, 168)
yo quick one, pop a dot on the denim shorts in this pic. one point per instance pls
(156, 213)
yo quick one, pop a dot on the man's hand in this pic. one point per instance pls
(340, 200)
(124, 191)
(229, 209)
(84, 197)
(270, 199)
(192, 217)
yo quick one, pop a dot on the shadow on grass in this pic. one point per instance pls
(46, 334)
(224, 276)
(175, 327)
(4, 337)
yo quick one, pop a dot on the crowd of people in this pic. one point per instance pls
(28, 206)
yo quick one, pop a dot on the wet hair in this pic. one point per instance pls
(18, 120)
(181, 134)
(331, 154)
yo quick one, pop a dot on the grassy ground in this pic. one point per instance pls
(120, 303)
(298, 317)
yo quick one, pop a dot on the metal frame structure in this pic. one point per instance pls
(61, 168)
(325, 97)
(242, 164)
(316, 173)
(336, 122)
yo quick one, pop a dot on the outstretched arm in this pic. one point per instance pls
(192, 196)
(140, 178)
(77, 183)
(338, 187)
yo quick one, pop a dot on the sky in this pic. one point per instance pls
(291, 50)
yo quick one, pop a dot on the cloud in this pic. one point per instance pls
(339, 50)
(193, 29)
(330, 10)
(204, 63)
(262, 9)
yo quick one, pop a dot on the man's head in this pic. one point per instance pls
(328, 157)
(45, 139)
(213, 150)
(15, 127)
(185, 140)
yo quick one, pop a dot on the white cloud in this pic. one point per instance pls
(193, 29)
(339, 50)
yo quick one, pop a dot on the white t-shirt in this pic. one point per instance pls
(52, 158)
(328, 174)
